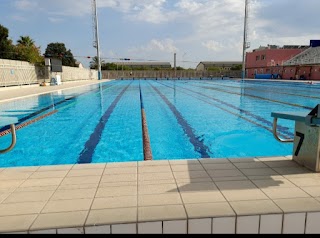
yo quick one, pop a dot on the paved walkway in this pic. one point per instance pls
(11, 93)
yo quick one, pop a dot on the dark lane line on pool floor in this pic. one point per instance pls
(86, 155)
(199, 146)
(293, 86)
(257, 97)
(34, 114)
(261, 119)
(147, 152)
(261, 90)
(285, 134)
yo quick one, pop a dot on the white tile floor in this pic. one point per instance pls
(254, 195)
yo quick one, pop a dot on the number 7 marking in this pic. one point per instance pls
(300, 142)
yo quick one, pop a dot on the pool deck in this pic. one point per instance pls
(18, 92)
(211, 196)
(257, 195)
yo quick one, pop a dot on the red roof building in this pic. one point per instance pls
(270, 59)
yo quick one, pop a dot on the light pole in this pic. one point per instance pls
(245, 38)
(97, 38)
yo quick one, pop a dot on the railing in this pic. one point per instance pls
(306, 142)
(11, 121)
(169, 74)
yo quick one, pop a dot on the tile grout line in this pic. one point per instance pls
(283, 212)
(85, 222)
(183, 204)
(137, 226)
(236, 215)
(264, 192)
(49, 201)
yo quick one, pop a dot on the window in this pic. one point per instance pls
(261, 70)
(257, 57)
(263, 57)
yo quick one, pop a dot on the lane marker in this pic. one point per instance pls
(226, 110)
(145, 133)
(198, 144)
(86, 155)
(284, 130)
(261, 90)
(6, 132)
(22, 120)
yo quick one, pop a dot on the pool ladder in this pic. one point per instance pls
(13, 140)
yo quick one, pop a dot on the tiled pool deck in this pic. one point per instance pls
(258, 195)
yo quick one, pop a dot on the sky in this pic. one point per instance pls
(153, 30)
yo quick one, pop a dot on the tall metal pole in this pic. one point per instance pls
(245, 43)
(97, 39)
(175, 65)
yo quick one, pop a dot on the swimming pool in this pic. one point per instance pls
(186, 119)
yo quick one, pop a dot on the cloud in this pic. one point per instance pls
(19, 18)
(213, 45)
(25, 4)
(166, 45)
(203, 28)
(55, 19)
(155, 50)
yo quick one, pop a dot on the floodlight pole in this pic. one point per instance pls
(97, 38)
(245, 43)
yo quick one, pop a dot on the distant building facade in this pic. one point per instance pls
(264, 60)
(223, 65)
(287, 62)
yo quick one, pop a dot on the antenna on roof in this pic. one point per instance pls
(246, 44)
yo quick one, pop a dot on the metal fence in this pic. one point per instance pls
(169, 74)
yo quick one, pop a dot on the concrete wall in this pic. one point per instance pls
(16, 73)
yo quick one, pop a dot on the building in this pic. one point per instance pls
(144, 65)
(287, 62)
(79, 65)
(223, 65)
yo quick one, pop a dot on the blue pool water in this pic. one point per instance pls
(187, 119)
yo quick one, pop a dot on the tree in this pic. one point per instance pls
(94, 63)
(59, 50)
(26, 50)
(26, 41)
(109, 66)
(6, 47)
(236, 67)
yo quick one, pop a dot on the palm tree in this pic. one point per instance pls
(25, 41)
(94, 63)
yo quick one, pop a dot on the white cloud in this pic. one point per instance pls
(19, 18)
(55, 19)
(213, 45)
(25, 4)
(166, 45)
(158, 50)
